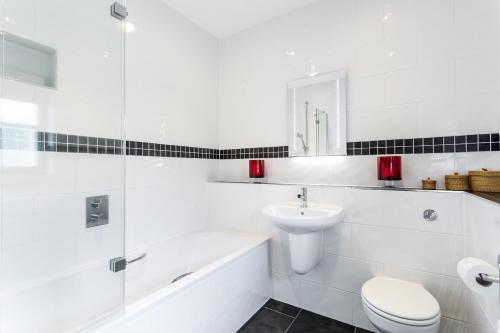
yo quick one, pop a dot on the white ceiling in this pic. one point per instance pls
(223, 18)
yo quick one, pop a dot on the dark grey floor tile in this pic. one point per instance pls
(360, 330)
(267, 321)
(308, 322)
(282, 307)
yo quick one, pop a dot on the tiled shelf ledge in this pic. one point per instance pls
(494, 197)
(360, 187)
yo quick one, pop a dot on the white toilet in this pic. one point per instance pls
(396, 306)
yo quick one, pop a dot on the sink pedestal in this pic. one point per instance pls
(305, 251)
(304, 226)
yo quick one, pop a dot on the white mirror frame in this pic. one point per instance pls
(339, 145)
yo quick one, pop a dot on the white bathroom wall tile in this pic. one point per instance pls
(434, 21)
(368, 207)
(477, 74)
(385, 56)
(366, 92)
(248, 201)
(413, 204)
(475, 27)
(18, 225)
(404, 209)
(326, 301)
(475, 310)
(481, 228)
(19, 17)
(448, 325)
(159, 185)
(62, 246)
(441, 253)
(479, 329)
(399, 19)
(468, 328)
(342, 273)
(367, 15)
(147, 221)
(280, 258)
(464, 163)
(286, 289)
(418, 167)
(235, 208)
(401, 247)
(359, 318)
(397, 120)
(428, 80)
(169, 92)
(469, 114)
(453, 326)
(339, 196)
(337, 240)
(266, 227)
(99, 172)
(45, 174)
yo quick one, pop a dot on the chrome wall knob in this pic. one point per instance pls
(430, 215)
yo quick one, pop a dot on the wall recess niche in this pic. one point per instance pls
(28, 61)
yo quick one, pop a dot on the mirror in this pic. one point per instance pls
(317, 115)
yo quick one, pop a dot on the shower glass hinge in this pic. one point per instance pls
(119, 263)
(119, 11)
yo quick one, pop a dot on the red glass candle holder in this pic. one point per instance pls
(389, 169)
(256, 169)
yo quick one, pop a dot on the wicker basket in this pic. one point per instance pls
(429, 184)
(485, 181)
(457, 182)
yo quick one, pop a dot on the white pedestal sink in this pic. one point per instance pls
(305, 228)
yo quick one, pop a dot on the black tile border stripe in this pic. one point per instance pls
(430, 145)
(26, 139)
(254, 153)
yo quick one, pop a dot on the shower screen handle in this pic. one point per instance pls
(142, 256)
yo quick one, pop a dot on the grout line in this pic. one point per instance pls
(293, 321)
(281, 313)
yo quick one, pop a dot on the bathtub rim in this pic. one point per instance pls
(117, 317)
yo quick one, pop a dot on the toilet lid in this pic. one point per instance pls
(401, 299)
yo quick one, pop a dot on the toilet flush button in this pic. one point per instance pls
(430, 215)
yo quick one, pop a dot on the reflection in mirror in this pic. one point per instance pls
(317, 115)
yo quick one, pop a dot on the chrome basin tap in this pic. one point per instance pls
(303, 197)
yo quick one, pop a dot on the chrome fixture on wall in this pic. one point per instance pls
(97, 211)
(303, 197)
(487, 280)
(430, 215)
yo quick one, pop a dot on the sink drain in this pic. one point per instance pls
(181, 277)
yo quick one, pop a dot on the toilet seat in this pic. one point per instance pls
(400, 301)
(400, 320)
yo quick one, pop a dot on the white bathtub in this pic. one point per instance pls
(231, 280)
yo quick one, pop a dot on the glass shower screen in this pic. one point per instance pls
(61, 164)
